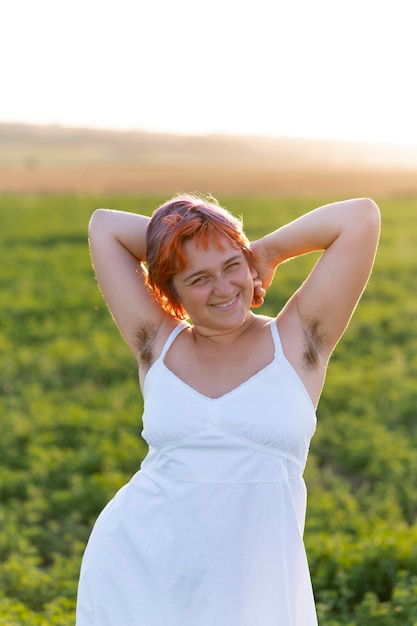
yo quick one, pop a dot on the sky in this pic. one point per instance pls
(293, 68)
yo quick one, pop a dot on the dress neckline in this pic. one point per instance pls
(225, 395)
(278, 355)
(178, 329)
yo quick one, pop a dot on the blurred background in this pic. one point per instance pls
(222, 96)
(274, 107)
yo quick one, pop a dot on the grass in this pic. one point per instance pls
(70, 411)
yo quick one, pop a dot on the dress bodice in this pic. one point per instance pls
(200, 438)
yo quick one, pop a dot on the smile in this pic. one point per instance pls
(224, 305)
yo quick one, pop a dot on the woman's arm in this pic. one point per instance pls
(348, 234)
(118, 245)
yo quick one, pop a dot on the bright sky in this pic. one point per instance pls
(308, 68)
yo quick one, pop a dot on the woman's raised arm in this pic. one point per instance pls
(348, 234)
(118, 246)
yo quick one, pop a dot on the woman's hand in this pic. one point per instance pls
(263, 271)
(263, 268)
(258, 293)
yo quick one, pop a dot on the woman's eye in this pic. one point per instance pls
(232, 266)
(198, 280)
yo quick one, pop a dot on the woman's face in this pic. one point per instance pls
(216, 286)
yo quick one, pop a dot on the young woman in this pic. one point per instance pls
(209, 532)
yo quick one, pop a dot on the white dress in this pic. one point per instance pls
(209, 531)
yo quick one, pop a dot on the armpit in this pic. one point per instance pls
(313, 341)
(145, 336)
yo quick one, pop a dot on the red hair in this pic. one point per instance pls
(176, 221)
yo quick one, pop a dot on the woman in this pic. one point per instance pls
(209, 532)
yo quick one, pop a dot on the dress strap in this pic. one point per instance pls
(176, 331)
(275, 336)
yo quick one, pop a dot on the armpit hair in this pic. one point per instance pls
(145, 336)
(313, 341)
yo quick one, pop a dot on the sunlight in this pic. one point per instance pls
(302, 69)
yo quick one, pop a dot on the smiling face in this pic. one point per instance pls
(215, 287)
(172, 225)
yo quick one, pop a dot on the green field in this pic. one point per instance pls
(70, 412)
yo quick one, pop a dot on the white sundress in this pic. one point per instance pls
(209, 531)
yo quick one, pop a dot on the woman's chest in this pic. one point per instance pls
(216, 373)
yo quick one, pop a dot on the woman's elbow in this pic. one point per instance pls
(369, 215)
(98, 220)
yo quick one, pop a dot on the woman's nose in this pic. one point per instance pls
(222, 285)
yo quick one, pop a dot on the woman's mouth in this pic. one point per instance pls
(225, 305)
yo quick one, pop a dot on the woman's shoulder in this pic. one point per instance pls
(263, 321)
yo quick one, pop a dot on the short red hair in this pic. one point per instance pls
(182, 218)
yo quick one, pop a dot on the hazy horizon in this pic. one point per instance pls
(233, 134)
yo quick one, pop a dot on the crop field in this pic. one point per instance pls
(70, 410)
